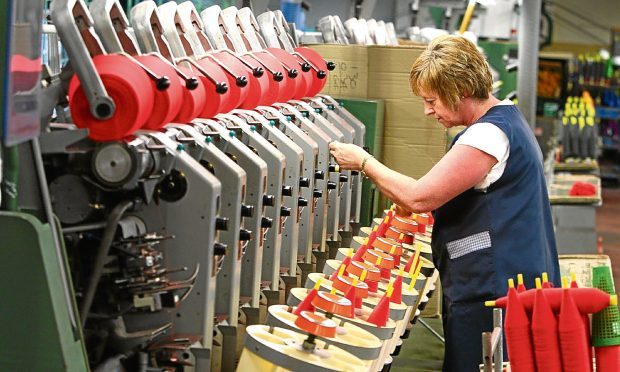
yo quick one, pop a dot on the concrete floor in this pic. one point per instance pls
(423, 352)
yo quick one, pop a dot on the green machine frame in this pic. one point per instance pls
(40, 323)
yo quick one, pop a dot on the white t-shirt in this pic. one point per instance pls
(492, 140)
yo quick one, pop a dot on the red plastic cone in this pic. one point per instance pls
(544, 334)
(340, 272)
(518, 334)
(306, 304)
(585, 317)
(520, 285)
(573, 341)
(397, 294)
(381, 313)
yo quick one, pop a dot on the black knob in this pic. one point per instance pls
(331, 185)
(285, 211)
(266, 222)
(354, 173)
(258, 71)
(278, 76)
(331, 66)
(305, 67)
(221, 88)
(333, 168)
(302, 202)
(247, 210)
(269, 200)
(221, 223)
(191, 83)
(287, 190)
(292, 73)
(245, 235)
(317, 193)
(241, 81)
(344, 178)
(304, 182)
(321, 74)
(319, 175)
(219, 249)
(162, 83)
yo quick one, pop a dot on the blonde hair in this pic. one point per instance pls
(451, 67)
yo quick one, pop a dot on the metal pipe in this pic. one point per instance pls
(102, 252)
(85, 227)
(527, 74)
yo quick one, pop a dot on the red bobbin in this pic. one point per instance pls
(344, 283)
(388, 245)
(405, 224)
(333, 304)
(316, 324)
(373, 274)
(129, 87)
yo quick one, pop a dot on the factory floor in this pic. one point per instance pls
(423, 351)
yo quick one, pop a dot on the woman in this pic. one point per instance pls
(488, 194)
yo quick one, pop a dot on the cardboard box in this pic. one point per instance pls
(412, 142)
(350, 77)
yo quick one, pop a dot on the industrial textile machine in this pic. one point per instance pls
(168, 191)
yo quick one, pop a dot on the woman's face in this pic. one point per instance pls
(435, 107)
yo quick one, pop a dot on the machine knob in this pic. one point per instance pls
(269, 200)
(266, 222)
(191, 83)
(258, 71)
(321, 74)
(344, 178)
(317, 193)
(278, 76)
(304, 182)
(247, 210)
(220, 249)
(221, 88)
(287, 190)
(319, 175)
(331, 185)
(331, 66)
(162, 83)
(221, 223)
(333, 168)
(292, 73)
(305, 67)
(241, 81)
(245, 235)
(302, 202)
(285, 211)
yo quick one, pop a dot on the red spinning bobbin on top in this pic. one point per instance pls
(405, 224)
(129, 87)
(302, 80)
(168, 101)
(316, 324)
(319, 70)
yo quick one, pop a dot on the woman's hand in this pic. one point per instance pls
(348, 156)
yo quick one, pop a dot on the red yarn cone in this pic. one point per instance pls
(520, 285)
(381, 313)
(351, 296)
(340, 272)
(585, 317)
(397, 293)
(359, 254)
(384, 225)
(545, 335)
(306, 304)
(518, 334)
(414, 258)
(573, 342)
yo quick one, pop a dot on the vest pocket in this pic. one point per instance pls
(469, 273)
(468, 244)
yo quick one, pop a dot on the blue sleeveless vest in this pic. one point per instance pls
(481, 239)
